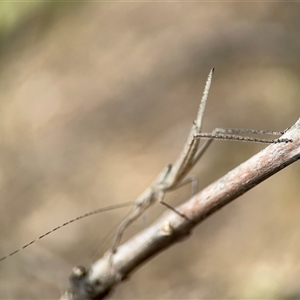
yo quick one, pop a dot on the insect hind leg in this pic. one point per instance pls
(230, 135)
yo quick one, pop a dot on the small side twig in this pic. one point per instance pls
(96, 282)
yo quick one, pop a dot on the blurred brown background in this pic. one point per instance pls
(96, 98)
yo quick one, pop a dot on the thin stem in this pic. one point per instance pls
(96, 283)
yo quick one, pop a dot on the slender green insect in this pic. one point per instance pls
(172, 176)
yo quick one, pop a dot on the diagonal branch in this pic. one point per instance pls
(170, 228)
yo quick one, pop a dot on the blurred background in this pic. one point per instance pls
(96, 98)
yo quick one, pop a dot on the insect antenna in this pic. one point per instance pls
(94, 212)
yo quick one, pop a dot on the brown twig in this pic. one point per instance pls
(170, 228)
